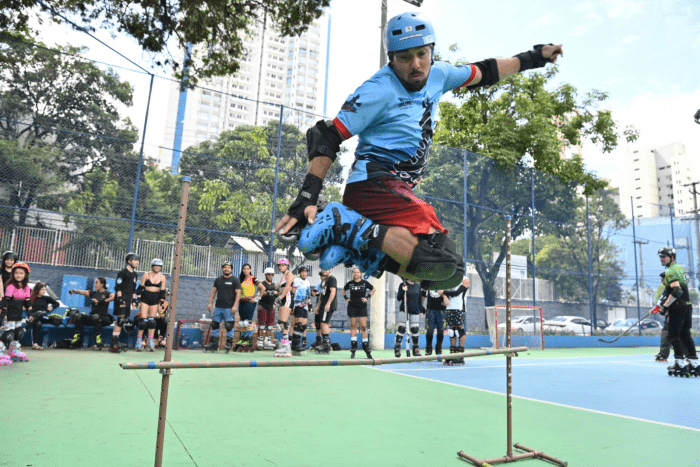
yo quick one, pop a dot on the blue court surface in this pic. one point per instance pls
(629, 386)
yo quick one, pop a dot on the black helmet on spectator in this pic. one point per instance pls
(667, 251)
(9, 254)
(131, 256)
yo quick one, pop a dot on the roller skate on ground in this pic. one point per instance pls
(682, 368)
(365, 347)
(76, 342)
(298, 350)
(459, 361)
(353, 348)
(660, 358)
(284, 348)
(213, 345)
(15, 353)
(695, 367)
(260, 345)
(324, 348)
(229, 344)
(428, 350)
(115, 346)
(397, 351)
(4, 359)
(268, 344)
(450, 362)
(416, 351)
(151, 345)
(98, 343)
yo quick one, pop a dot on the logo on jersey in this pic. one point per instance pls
(404, 102)
(351, 104)
(411, 170)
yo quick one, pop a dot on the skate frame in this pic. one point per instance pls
(529, 453)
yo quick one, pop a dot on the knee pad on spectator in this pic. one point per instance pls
(143, 324)
(283, 325)
(215, 325)
(451, 332)
(299, 328)
(19, 333)
(151, 323)
(229, 325)
(402, 330)
(461, 332)
(415, 330)
(7, 338)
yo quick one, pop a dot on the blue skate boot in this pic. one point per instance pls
(335, 225)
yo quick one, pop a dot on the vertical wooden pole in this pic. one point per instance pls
(509, 362)
(171, 320)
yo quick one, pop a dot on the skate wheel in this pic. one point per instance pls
(313, 256)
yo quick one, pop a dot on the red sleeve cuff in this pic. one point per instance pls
(341, 128)
(471, 78)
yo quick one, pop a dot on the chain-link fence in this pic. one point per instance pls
(83, 184)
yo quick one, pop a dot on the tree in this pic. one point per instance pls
(508, 122)
(215, 28)
(233, 178)
(61, 113)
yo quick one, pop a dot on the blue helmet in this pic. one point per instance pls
(408, 30)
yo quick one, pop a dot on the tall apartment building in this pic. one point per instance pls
(653, 179)
(276, 71)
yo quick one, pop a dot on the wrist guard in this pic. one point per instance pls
(532, 58)
(308, 196)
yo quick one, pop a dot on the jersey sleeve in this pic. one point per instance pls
(674, 274)
(362, 108)
(455, 76)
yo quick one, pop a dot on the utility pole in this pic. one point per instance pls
(641, 262)
(695, 194)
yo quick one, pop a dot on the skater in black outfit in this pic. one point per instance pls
(42, 305)
(124, 293)
(409, 295)
(99, 315)
(327, 304)
(665, 347)
(360, 292)
(436, 304)
(679, 310)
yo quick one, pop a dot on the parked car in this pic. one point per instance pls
(649, 326)
(568, 325)
(521, 324)
(601, 323)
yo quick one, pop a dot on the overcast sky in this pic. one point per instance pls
(645, 54)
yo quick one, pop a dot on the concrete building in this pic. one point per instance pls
(276, 71)
(654, 179)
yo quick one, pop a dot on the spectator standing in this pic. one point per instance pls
(162, 320)
(436, 304)
(152, 292)
(409, 294)
(41, 305)
(227, 292)
(249, 286)
(125, 296)
(285, 310)
(302, 298)
(269, 294)
(17, 299)
(99, 315)
(327, 304)
(9, 258)
(455, 316)
(359, 291)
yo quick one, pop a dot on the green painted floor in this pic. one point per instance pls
(70, 408)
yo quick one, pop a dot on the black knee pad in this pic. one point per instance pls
(460, 332)
(300, 328)
(402, 330)
(151, 323)
(415, 330)
(7, 338)
(143, 324)
(19, 333)
(435, 258)
(229, 325)
(214, 325)
(283, 324)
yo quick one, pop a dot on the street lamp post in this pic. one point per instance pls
(382, 51)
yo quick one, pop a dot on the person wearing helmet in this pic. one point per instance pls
(162, 320)
(125, 298)
(9, 258)
(381, 225)
(285, 310)
(17, 299)
(679, 309)
(227, 291)
(269, 293)
(151, 292)
(302, 298)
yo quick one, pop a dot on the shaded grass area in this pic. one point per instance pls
(68, 408)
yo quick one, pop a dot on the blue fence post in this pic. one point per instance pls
(591, 295)
(636, 272)
(275, 191)
(673, 235)
(465, 213)
(138, 170)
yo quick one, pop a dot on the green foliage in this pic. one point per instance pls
(216, 28)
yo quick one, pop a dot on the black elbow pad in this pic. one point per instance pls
(677, 292)
(489, 73)
(323, 139)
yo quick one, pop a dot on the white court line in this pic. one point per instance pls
(466, 367)
(627, 417)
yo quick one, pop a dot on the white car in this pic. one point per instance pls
(649, 326)
(568, 325)
(522, 325)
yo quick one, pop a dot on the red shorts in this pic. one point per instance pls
(266, 317)
(390, 201)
